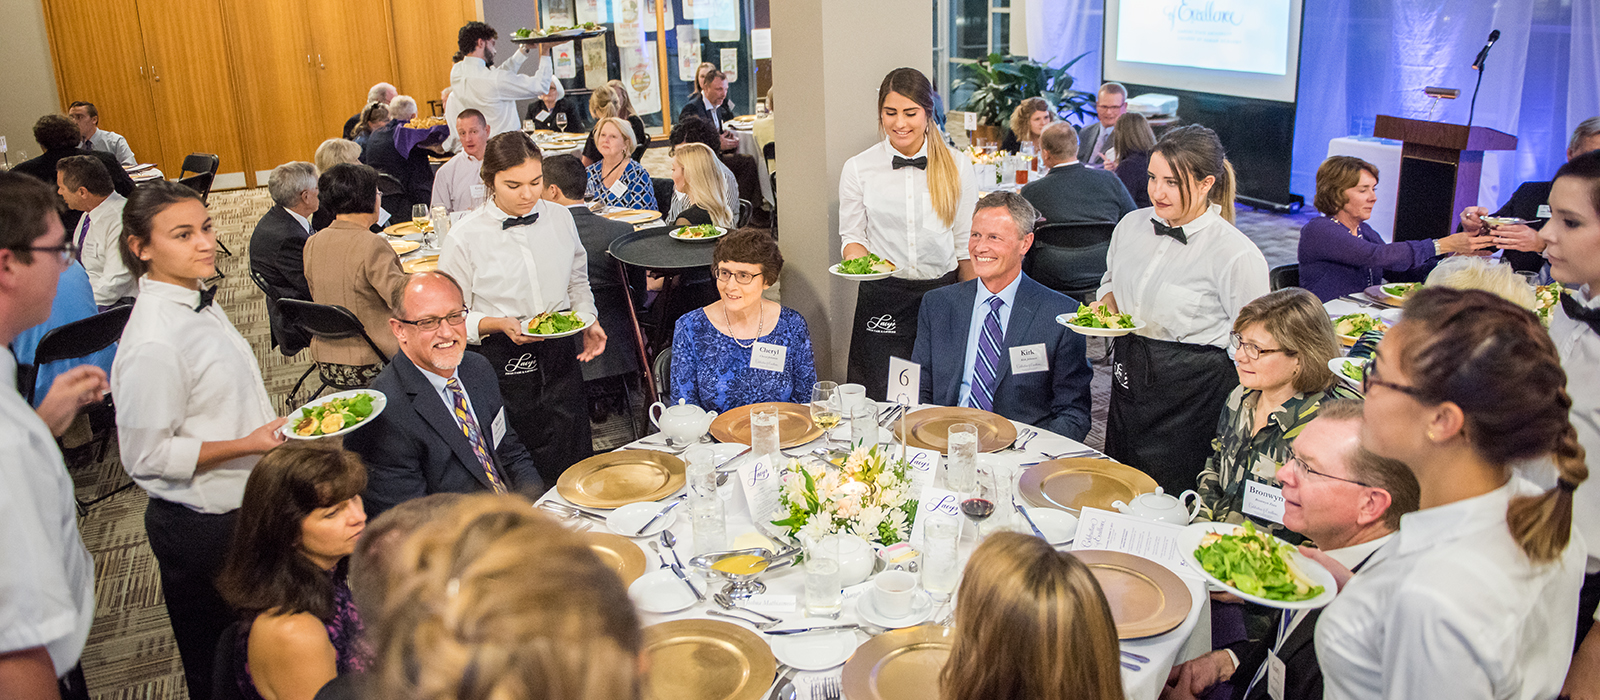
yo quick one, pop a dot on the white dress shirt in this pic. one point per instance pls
(304, 222)
(113, 143)
(47, 583)
(102, 252)
(980, 311)
(1455, 611)
(440, 385)
(519, 272)
(890, 212)
(711, 109)
(495, 91)
(458, 185)
(183, 378)
(1184, 293)
(1579, 347)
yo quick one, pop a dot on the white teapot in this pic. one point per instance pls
(1161, 507)
(682, 423)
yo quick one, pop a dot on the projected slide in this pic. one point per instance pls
(1245, 36)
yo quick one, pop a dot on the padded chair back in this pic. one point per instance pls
(662, 369)
(85, 336)
(328, 322)
(224, 669)
(1070, 257)
(203, 167)
(1284, 276)
(743, 218)
(663, 190)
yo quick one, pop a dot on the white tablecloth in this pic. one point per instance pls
(747, 146)
(1384, 154)
(1188, 640)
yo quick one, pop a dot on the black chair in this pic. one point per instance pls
(327, 323)
(770, 152)
(743, 219)
(1070, 257)
(1284, 276)
(71, 341)
(662, 369)
(663, 190)
(224, 665)
(198, 173)
(278, 323)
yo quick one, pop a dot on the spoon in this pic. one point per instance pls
(726, 603)
(657, 550)
(671, 541)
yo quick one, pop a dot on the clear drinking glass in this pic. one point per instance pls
(528, 126)
(707, 516)
(441, 226)
(961, 458)
(824, 591)
(980, 502)
(561, 121)
(763, 431)
(825, 407)
(941, 564)
(863, 424)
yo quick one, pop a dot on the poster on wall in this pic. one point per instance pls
(597, 11)
(566, 66)
(724, 24)
(558, 13)
(689, 9)
(730, 63)
(650, 14)
(594, 62)
(760, 43)
(630, 23)
(640, 75)
(688, 52)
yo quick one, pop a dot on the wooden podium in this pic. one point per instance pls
(1439, 168)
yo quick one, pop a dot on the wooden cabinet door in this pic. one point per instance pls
(99, 58)
(425, 37)
(192, 88)
(353, 42)
(274, 69)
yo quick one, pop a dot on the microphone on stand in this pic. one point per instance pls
(1477, 65)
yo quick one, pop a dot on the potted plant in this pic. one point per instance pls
(1001, 83)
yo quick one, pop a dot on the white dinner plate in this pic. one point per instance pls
(588, 320)
(1336, 364)
(660, 591)
(627, 520)
(1058, 526)
(1189, 541)
(1066, 320)
(921, 610)
(675, 235)
(818, 651)
(378, 402)
(860, 278)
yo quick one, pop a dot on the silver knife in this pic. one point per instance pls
(659, 515)
(570, 511)
(1029, 518)
(685, 578)
(804, 630)
(725, 462)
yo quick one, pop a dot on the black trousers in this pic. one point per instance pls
(886, 326)
(1166, 399)
(72, 686)
(190, 548)
(1588, 601)
(542, 385)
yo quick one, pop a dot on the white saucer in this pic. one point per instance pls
(626, 520)
(660, 591)
(1058, 526)
(921, 610)
(817, 651)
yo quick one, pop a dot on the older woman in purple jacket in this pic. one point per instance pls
(1340, 254)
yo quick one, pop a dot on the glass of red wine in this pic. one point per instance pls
(979, 504)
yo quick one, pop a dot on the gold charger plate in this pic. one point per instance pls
(403, 247)
(633, 216)
(404, 228)
(903, 664)
(615, 479)
(1072, 484)
(929, 428)
(706, 660)
(619, 554)
(1146, 598)
(426, 263)
(794, 424)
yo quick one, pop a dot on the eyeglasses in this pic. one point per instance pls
(1370, 377)
(66, 251)
(1251, 351)
(1302, 469)
(742, 277)
(432, 322)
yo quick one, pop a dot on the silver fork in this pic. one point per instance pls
(758, 625)
(826, 689)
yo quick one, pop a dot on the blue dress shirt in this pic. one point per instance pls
(980, 310)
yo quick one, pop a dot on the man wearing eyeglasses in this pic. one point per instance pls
(1349, 502)
(1095, 138)
(444, 429)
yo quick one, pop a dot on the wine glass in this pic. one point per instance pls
(561, 121)
(979, 504)
(825, 407)
(419, 217)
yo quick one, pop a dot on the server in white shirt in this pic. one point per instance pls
(192, 415)
(458, 186)
(1478, 593)
(98, 139)
(516, 257)
(908, 199)
(1183, 270)
(47, 584)
(494, 91)
(85, 184)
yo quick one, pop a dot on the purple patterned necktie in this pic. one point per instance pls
(986, 369)
(469, 427)
(82, 236)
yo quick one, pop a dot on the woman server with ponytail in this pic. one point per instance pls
(1184, 270)
(908, 199)
(1476, 595)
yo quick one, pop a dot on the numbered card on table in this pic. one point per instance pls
(905, 382)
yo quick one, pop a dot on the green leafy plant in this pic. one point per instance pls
(1001, 83)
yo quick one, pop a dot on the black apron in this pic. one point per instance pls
(542, 387)
(886, 326)
(1165, 400)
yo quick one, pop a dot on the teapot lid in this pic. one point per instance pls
(1157, 498)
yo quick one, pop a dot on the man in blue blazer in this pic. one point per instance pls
(421, 443)
(1002, 350)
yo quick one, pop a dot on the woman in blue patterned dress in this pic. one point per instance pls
(617, 180)
(742, 349)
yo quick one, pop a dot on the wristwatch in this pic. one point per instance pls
(1438, 246)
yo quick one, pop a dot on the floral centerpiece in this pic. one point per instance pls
(869, 496)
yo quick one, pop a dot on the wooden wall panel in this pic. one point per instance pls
(425, 38)
(195, 101)
(273, 65)
(354, 46)
(99, 58)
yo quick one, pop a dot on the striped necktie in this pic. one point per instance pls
(986, 367)
(469, 427)
(83, 235)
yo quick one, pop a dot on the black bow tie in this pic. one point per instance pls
(919, 162)
(1579, 312)
(206, 295)
(519, 221)
(1175, 231)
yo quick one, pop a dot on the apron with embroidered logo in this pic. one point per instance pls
(886, 326)
(1166, 398)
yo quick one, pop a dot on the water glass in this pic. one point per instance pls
(763, 431)
(700, 472)
(441, 227)
(941, 564)
(708, 525)
(863, 424)
(528, 126)
(825, 407)
(824, 593)
(961, 458)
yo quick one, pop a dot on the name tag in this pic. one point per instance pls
(497, 429)
(478, 192)
(543, 115)
(1029, 358)
(1275, 674)
(1263, 501)
(768, 356)
(1544, 212)
(617, 188)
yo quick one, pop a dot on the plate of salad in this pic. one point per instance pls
(1256, 566)
(1099, 321)
(702, 232)
(1547, 296)
(1350, 370)
(864, 269)
(558, 324)
(335, 414)
(1350, 327)
(1395, 293)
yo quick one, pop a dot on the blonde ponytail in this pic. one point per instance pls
(1222, 193)
(944, 176)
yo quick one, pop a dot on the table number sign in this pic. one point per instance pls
(905, 381)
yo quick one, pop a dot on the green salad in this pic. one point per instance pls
(554, 322)
(333, 415)
(1100, 317)
(1401, 289)
(866, 265)
(1257, 564)
(1353, 369)
(700, 231)
(1355, 324)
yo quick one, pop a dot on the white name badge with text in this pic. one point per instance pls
(1263, 501)
(543, 115)
(1277, 673)
(1026, 359)
(618, 188)
(478, 193)
(905, 382)
(498, 427)
(1544, 212)
(768, 356)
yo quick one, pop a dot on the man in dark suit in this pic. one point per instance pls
(1349, 502)
(1531, 202)
(444, 429)
(564, 179)
(412, 170)
(712, 106)
(58, 137)
(1070, 191)
(278, 243)
(1094, 139)
(1001, 350)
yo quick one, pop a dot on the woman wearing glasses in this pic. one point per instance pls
(742, 349)
(1282, 343)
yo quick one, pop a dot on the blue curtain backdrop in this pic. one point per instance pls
(1362, 58)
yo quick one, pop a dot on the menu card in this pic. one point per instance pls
(933, 500)
(924, 464)
(1153, 540)
(761, 481)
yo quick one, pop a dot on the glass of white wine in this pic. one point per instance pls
(825, 411)
(561, 122)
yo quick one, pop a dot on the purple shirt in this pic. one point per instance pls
(1334, 263)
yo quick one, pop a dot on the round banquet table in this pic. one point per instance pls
(1188, 640)
(747, 146)
(655, 250)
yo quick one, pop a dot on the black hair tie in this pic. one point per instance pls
(1565, 485)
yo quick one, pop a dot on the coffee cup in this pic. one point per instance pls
(892, 591)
